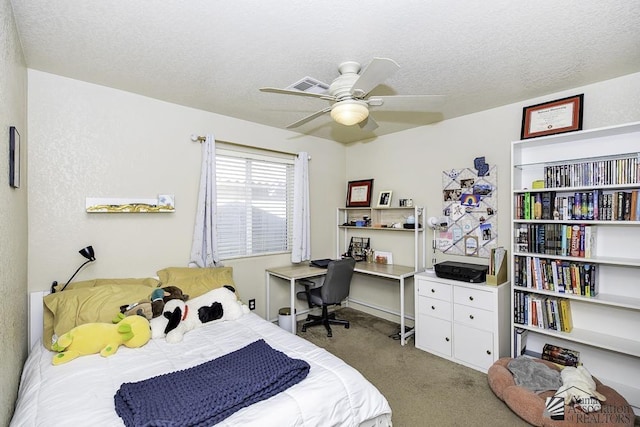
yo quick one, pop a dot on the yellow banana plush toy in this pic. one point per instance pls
(103, 338)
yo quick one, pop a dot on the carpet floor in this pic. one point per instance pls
(422, 389)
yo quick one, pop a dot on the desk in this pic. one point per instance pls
(295, 272)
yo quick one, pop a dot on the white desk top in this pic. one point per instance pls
(303, 270)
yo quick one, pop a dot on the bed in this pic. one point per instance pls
(82, 391)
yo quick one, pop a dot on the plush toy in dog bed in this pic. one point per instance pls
(180, 317)
(103, 338)
(531, 405)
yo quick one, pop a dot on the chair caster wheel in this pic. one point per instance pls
(329, 334)
(346, 326)
(304, 329)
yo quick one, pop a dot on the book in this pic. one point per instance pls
(566, 320)
(574, 250)
(590, 241)
(560, 355)
(548, 201)
(519, 341)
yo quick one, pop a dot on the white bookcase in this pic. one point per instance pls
(606, 327)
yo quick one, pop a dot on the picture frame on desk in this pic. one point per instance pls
(384, 199)
(550, 118)
(359, 193)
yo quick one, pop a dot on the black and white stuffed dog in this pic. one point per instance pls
(180, 317)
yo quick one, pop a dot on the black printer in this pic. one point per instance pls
(462, 271)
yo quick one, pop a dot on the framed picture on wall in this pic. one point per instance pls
(359, 193)
(549, 118)
(14, 157)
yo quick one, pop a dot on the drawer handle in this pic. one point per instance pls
(447, 339)
(470, 298)
(433, 308)
(489, 352)
(433, 291)
(471, 316)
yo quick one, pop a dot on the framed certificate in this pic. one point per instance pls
(559, 116)
(359, 193)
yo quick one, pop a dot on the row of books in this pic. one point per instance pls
(577, 240)
(600, 172)
(542, 312)
(554, 275)
(560, 355)
(586, 205)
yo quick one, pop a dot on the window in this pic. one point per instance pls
(255, 203)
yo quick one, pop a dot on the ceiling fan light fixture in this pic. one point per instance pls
(349, 112)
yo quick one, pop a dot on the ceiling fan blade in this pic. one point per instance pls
(368, 124)
(309, 118)
(425, 103)
(378, 70)
(297, 93)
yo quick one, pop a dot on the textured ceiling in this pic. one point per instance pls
(214, 55)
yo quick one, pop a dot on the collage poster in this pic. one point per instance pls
(470, 206)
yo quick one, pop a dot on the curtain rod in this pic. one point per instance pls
(201, 139)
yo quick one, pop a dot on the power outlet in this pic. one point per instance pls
(252, 304)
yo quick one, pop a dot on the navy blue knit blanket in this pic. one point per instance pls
(208, 393)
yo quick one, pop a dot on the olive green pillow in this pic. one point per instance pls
(146, 281)
(67, 309)
(196, 281)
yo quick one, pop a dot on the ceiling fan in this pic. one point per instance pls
(348, 95)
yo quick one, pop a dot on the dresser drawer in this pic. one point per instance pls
(434, 307)
(474, 347)
(434, 335)
(472, 316)
(473, 297)
(441, 291)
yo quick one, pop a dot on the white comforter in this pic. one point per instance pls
(81, 392)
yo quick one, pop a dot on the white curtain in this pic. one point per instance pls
(204, 249)
(301, 250)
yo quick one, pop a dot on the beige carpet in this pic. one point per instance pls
(422, 389)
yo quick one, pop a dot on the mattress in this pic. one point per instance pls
(82, 391)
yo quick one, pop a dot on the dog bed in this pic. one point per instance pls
(530, 406)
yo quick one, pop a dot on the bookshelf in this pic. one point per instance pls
(576, 238)
(351, 224)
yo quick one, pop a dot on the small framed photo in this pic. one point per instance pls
(549, 118)
(384, 200)
(359, 193)
(382, 257)
(14, 157)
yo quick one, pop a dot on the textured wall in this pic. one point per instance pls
(93, 141)
(13, 214)
(411, 163)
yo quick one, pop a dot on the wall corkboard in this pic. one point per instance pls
(470, 206)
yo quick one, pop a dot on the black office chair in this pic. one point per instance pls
(333, 291)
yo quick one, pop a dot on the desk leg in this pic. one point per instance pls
(402, 333)
(292, 307)
(267, 279)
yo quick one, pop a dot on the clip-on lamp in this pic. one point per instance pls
(85, 252)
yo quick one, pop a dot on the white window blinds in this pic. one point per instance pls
(254, 203)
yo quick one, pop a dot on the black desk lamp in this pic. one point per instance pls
(85, 252)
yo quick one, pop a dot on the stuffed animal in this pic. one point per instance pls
(154, 306)
(169, 293)
(180, 317)
(578, 387)
(103, 338)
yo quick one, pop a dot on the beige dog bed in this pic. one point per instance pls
(530, 406)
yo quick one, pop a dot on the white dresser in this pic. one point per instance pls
(467, 323)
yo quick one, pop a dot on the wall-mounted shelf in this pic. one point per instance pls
(164, 203)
